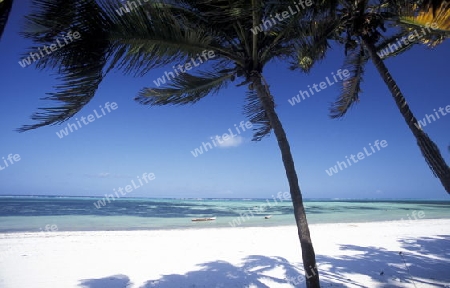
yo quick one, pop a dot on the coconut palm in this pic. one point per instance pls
(420, 16)
(164, 33)
(5, 8)
(361, 27)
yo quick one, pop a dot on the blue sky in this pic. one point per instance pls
(135, 139)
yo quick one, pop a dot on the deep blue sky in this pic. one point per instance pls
(135, 139)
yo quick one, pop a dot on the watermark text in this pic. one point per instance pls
(146, 177)
(360, 155)
(10, 160)
(67, 39)
(302, 95)
(90, 118)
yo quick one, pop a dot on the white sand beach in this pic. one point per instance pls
(348, 255)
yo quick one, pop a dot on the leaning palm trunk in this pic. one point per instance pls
(308, 255)
(5, 9)
(428, 148)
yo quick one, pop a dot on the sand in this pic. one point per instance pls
(348, 255)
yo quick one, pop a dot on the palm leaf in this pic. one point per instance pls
(186, 89)
(424, 16)
(313, 45)
(351, 87)
(420, 18)
(80, 62)
(147, 39)
(384, 45)
(256, 114)
(156, 35)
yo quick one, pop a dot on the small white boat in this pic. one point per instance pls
(268, 217)
(204, 219)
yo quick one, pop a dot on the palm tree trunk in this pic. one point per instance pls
(5, 9)
(308, 255)
(428, 148)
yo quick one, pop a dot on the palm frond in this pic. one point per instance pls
(304, 33)
(135, 42)
(186, 88)
(51, 18)
(278, 32)
(5, 9)
(425, 15)
(80, 62)
(158, 34)
(385, 47)
(433, 25)
(351, 87)
(78, 89)
(256, 114)
(313, 45)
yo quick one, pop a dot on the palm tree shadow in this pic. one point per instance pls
(254, 271)
(423, 260)
(217, 274)
(116, 281)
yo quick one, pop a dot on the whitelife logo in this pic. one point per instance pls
(129, 6)
(187, 66)
(268, 23)
(226, 140)
(12, 159)
(259, 209)
(128, 188)
(423, 123)
(360, 156)
(90, 118)
(406, 40)
(49, 50)
(342, 74)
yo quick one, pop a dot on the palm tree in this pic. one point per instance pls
(171, 32)
(5, 8)
(361, 26)
(414, 16)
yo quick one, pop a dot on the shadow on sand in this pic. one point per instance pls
(116, 281)
(423, 261)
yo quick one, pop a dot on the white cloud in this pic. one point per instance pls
(231, 142)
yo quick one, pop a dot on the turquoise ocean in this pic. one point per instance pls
(54, 213)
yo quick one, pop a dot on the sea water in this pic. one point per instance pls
(40, 213)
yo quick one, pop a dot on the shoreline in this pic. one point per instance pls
(348, 255)
(204, 226)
